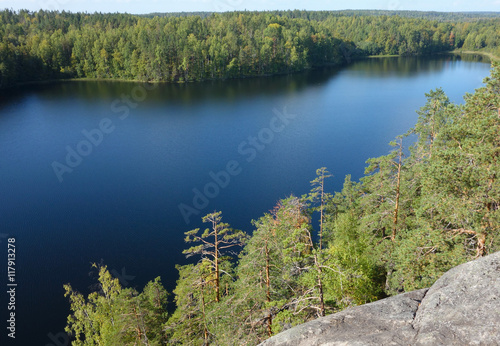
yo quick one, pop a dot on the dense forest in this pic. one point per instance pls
(45, 45)
(428, 205)
(322, 15)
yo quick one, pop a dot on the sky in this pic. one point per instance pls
(149, 6)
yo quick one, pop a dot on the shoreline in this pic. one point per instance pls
(491, 56)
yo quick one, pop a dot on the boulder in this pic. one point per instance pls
(461, 308)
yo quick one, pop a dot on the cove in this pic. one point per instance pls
(237, 146)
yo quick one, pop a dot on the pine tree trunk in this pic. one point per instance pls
(320, 286)
(268, 293)
(398, 184)
(205, 329)
(481, 241)
(217, 283)
(268, 278)
(321, 216)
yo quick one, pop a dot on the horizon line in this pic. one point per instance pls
(246, 10)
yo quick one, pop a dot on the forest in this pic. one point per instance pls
(428, 205)
(181, 47)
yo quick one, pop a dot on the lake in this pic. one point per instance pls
(116, 172)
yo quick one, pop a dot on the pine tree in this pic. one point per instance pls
(189, 324)
(215, 243)
(461, 179)
(319, 196)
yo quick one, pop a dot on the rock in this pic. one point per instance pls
(384, 322)
(461, 308)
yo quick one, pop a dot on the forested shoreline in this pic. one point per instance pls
(425, 207)
(51, 45)
(430, 204)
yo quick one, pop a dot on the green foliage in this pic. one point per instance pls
(319, 198)
(215, 246)
(189, 323)
(352, 274)
(116, 316)
(432, 117)
(421, 257)
(449, 191)
(202, 288)
(44, 45)
(461, 180)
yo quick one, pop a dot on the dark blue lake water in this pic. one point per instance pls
(113, 172)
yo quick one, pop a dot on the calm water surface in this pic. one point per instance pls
(120, 203)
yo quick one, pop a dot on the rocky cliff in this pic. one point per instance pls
(461, 308)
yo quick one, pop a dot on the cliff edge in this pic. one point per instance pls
(461, 308)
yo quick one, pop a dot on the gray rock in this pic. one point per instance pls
(461, 308)
(384, 322)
